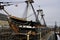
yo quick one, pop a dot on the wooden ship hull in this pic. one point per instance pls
(28, 30)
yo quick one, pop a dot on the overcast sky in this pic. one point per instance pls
(51, 9)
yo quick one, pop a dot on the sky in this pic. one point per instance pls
(51, 10)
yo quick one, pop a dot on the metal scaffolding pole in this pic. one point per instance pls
(40, 35)
(27, 36)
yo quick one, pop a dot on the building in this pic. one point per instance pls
(3, 20)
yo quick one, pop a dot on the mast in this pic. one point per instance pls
(55, 26)
(42, 16)
(30, 2)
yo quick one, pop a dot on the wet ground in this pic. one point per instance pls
(58, 37)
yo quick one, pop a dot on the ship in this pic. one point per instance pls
(22, 29)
